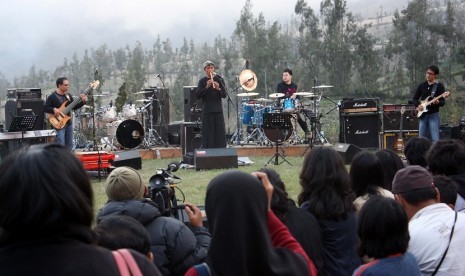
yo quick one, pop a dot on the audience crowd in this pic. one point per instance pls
(382, 216)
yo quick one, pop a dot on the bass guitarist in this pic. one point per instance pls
(431, 88)
(53, 104)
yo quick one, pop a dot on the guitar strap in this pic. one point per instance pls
(433, 91)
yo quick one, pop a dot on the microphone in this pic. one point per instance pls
(130, 104)
(247, 64)
(111, 103)
(95, 73)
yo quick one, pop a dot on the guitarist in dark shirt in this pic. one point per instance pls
(426, 91)
(55, 101)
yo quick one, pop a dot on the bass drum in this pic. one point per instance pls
(129, 133)
(278, 136)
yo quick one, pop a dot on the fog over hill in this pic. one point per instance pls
(44, 33)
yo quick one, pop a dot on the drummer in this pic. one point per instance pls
(288, 88)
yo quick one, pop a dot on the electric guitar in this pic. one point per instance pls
(399, 145)
(59, 121)
(425, 103)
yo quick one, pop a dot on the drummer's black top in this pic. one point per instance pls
(287, 89)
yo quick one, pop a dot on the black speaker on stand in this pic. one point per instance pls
(192, 106)
(161, 110)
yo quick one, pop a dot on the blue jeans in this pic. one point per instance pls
(65, 136)
(429, 126)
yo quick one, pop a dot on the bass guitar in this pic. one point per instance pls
(59, 121)
(427, 102)
(399, 145)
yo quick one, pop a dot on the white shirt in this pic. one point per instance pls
(429, 236)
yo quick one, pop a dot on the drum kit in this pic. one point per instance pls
(252, 110)
(124, 129)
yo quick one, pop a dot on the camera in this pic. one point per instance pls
(161, 189)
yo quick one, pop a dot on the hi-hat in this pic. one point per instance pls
(323, 86)
(248, 80)
(249, 94)
(304, 94)
(87, 106)
(276, 95)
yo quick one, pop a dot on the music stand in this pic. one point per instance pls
(23, 124)
(278, 122)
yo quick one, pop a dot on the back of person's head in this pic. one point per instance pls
(325, 184)
(415, 184)
(125, 183)
(415, 150)
(280, 200)
(382, 228)
(44, 190)
(366, 173)
(447, 157)
(391, 163)
(241, 244)
(120, 231)
(448, 189)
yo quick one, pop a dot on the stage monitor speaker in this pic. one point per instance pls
(347, 151)
(391, 118)
(16, 107)
(362, 129)
(128, 158)
(160, 111)
(215, 158)
(191, 138)
(390, 138)
(192, 105)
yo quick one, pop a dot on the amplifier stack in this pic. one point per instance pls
(395, 122)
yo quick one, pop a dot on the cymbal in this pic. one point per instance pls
(87, 106)
(248, 80)
(304, 93)
(98, 95)
(144, 100)
(249, 94)
(142, 92)
(276, 95)
(263, 100)
(323, 86)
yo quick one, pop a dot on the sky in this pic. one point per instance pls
(44, 32)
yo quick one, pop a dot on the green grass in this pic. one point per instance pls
(193, 183)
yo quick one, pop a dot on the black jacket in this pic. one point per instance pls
(175, 247)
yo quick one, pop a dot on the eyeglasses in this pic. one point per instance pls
(430, 73)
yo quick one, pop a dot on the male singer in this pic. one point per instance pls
(211, 89)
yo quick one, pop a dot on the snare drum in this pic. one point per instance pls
(129, 111)
(288, 105)
(107, 114)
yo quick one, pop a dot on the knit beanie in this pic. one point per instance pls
(124, 183)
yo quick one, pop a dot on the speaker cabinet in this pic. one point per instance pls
(191, 137)
(390, 138)
(347, 151)
(361, 129)
(205, 159)
(16, 107)
(192, 106)
(129, 159)
(391, 118)
(160, 111)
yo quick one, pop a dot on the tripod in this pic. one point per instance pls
(152, 138)
(281, 123)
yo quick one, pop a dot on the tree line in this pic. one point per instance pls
(329, 46)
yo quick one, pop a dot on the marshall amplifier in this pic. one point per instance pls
(361, 129)
(24, 93)
(392, 115)
(359, 105)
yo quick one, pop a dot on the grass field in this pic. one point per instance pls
(193, 183)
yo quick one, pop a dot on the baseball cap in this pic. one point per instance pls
(412, 178)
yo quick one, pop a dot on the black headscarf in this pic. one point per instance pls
(236, 206)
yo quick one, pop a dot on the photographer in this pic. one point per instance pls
(174, 246)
